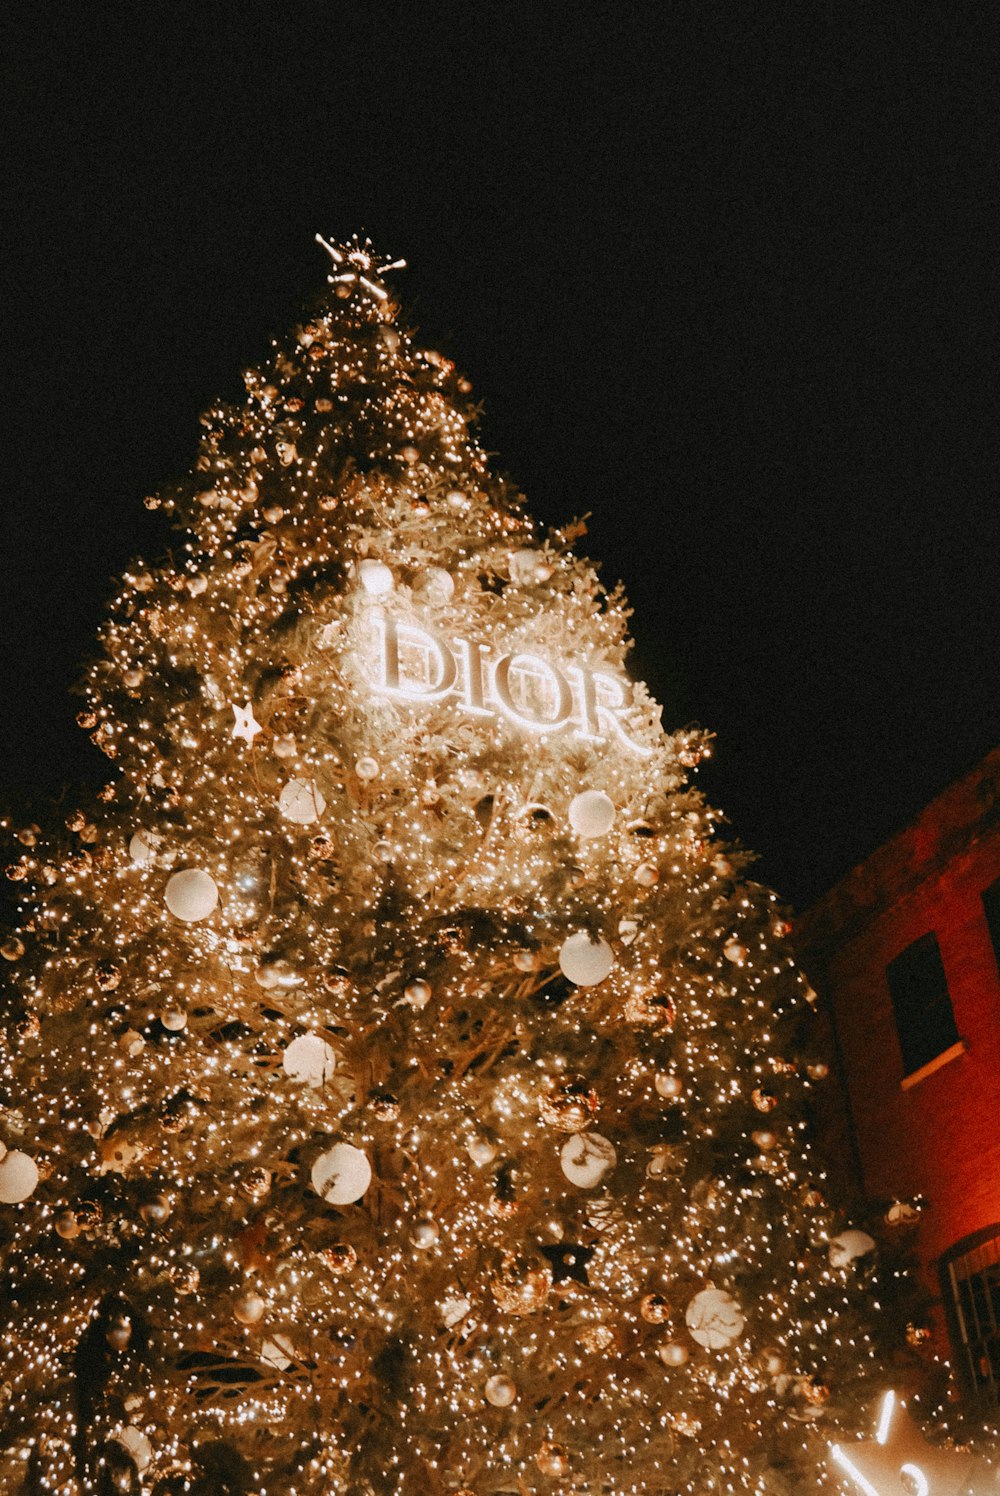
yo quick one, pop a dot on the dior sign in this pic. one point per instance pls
(414, 663)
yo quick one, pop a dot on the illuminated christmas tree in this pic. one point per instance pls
(404, 1092)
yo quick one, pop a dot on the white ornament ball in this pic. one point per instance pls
(735, 951)
(301, 801)
(715, 1319)
(191, 894)
(278, 1353)
(366, 769)
(500, 1391)
(668, 1086)
(591, 813)
(585, 961)
(249, 1308)
(143, 847)
(673, 1353)
(136, 1445)
(481, 1151)
(173, 1019)
(586, 1158)
(438, 584)
(310, 1060)
(18, 1177)
(417, 993)
(341, 1174)
(426, 1235)
(376, 578)
(848, 1246)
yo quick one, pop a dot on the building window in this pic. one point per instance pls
(924, 1018)
(991, 906)
(971, 1273)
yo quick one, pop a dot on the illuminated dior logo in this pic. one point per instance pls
(415, 663)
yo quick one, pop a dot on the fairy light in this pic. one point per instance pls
(411, 924)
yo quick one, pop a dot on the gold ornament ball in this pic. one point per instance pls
(500, 1391)
(248, 1308)
(765, 1139)
(525, 960)
(156, 1211)
(256, 1183)
(67, 1225)
(772, 1363)
(12, 949)
(384, 1106)
(522, 1286)
(108, 975)
(597, 1339)
(735, 951)
(654, 1309)
(186, 1278)
(552, 1459)
(668, 1086)
(340, 1258)
(569, 1105)
(119, 1333)
(764, 1101)
(815, 1392)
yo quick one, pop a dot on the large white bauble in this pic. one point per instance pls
(341, 1174)
(309, 1059)
(586, 1157)
(143, 847)
(714, 1319)
(301, 801)
(849, 1245)
(376, 578)
(591, 813)
(191, 894)
(278, 1353)
(585, 961)
(438, 584)
(18, 1177)
(134, 1441)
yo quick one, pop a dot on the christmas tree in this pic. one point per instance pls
(404, 1089)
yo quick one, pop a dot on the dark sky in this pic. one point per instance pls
(724, 275)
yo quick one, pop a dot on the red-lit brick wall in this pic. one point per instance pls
(941, 1136)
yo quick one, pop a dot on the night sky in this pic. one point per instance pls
(724, 276)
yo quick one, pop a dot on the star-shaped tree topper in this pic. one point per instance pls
(900, 1462)
(355, 264)
(246, 726)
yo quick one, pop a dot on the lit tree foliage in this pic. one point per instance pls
(331, 1178)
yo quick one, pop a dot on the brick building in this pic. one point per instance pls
(904, 953)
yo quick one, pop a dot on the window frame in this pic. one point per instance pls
(975, 1335)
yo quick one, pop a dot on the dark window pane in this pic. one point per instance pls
(991, 904)
(973, 1280)
(924, 1018)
